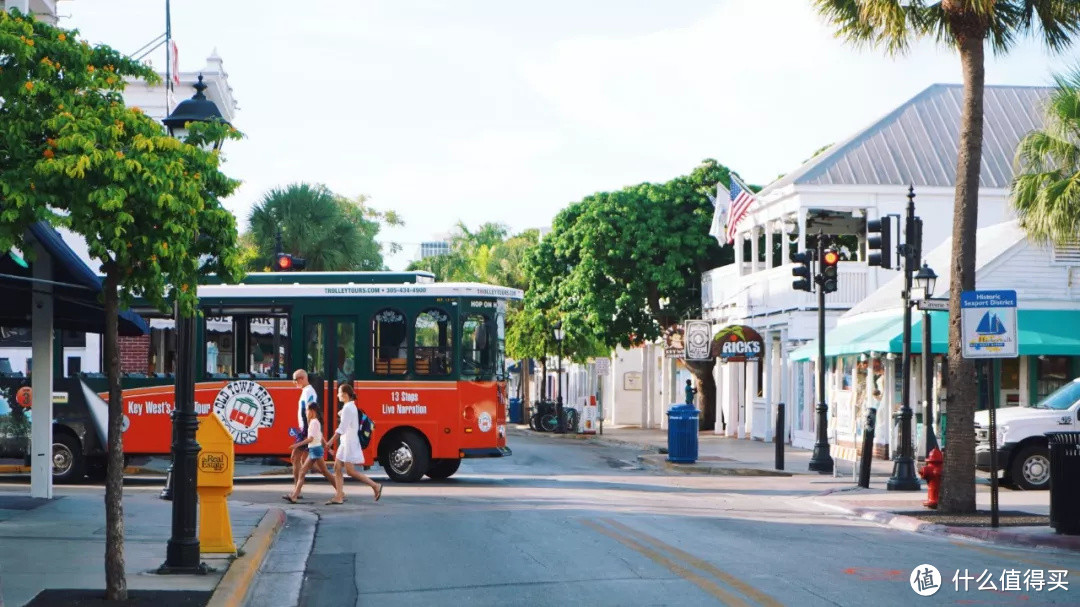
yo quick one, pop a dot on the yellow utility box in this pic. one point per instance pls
(216, 463)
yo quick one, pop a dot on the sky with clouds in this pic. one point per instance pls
(497, 110)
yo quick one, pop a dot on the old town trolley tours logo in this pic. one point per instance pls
(244, 407)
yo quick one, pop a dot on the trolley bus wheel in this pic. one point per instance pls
(443, 468)
(67, 459)
(407, 458)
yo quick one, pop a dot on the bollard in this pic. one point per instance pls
(867, 448)
(779, 436)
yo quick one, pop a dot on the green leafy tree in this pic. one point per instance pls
(147, 204)
(331, 232)
(614, 257)
(1046, 189)
(967, 26)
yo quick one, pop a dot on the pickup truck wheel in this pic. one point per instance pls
(1030, 468)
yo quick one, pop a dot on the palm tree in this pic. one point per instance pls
(967, 26)
(329, 231)
(1046, 189)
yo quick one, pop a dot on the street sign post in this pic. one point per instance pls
(933, 305)
(989, 330)
(988, 323)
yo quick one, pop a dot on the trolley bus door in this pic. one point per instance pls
(330, 350)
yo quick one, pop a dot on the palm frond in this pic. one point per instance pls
(1046, 190)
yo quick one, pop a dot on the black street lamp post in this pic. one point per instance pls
(903, 477)
(561, 421)
(182, 553)
(926, 280)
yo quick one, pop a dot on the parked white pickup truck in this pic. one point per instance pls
(1022, 450)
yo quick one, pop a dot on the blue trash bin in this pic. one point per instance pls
(515, 411)
(682, 435)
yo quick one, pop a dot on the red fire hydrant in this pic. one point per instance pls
(932, 473)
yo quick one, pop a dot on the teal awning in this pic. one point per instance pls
(1042, 332)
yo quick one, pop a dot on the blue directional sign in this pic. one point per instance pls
(988, 323)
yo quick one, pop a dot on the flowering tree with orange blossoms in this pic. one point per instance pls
(72, 154)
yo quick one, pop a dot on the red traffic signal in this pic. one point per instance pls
(284, 262)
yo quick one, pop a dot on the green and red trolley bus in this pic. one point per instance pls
(426, 360)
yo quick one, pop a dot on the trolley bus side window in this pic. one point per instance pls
(254, 344)
(433, 345)
(389, 342)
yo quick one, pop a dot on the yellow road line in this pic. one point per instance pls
(1008, 556)
(704, 584)
(705, 566)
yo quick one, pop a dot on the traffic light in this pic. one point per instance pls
(802, 272)
(879, 242)
(284, 262)
(828, 270)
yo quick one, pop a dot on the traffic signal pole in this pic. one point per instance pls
(821, 460)
(903, 477)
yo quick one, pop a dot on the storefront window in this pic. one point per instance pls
(1052, 373)
(1010, 382)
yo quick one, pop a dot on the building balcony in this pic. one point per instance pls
(726, 294)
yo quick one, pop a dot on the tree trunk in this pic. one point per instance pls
(706, 386)
(958, 484)
(115, 580)
(543, 378)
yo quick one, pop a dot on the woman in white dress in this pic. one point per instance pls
(349, 453)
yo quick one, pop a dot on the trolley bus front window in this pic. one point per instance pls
(477, 346)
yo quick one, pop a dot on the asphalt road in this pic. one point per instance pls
(565, 523)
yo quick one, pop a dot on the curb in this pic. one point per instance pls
(20, 469)
(986, 534)
(709, 470)
(234, 585)
(598, 438)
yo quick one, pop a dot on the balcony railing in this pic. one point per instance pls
(726, 294)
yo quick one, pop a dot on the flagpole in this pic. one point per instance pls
(168, 58)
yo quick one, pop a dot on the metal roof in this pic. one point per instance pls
(917, 142)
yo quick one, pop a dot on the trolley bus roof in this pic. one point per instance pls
(445, 289)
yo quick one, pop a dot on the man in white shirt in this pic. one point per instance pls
(307, 396)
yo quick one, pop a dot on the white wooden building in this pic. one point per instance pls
(864, 177)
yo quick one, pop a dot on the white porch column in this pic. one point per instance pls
(41, 383)
(770, 235)
(802, 229)
(735, 395)
(738, 244)
(664, 393)
(749, 394)
(769, 374)
(721, 397)
(645, 386)
(754, 249)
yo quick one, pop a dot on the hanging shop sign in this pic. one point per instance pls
(698, 333)
(738, 344)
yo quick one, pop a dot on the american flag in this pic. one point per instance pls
(740, 198)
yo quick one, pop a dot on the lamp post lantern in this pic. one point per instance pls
(926, 279)
(560, 420)
(182, 551)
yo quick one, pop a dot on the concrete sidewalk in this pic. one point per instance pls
(60, 543)
(1024, 514)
